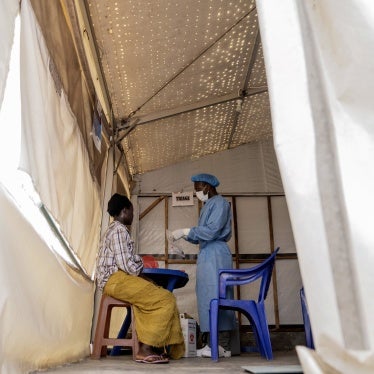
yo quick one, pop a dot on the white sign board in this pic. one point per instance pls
(182, 198)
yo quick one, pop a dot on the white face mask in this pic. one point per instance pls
(202, 196)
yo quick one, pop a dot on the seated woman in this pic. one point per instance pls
(118, 274)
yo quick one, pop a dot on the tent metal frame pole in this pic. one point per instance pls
(143, 120)
(274, 276)
(91, 52)
(108, 188)
(244, 86)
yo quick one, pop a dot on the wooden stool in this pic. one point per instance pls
(102, 339)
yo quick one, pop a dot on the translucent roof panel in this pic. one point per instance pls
(183, 137)
(185, 63)
(220, 70)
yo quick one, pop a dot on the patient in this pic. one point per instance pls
(118, 274)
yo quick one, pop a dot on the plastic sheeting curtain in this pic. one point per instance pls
(319, 62)
(53, 151)
(41, 325)
(45, 308)
(8, 12)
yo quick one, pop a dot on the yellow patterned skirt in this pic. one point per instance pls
(155, 311)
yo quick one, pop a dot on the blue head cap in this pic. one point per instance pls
(207, 178)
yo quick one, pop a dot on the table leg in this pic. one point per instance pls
(122, 333)
(171, 284)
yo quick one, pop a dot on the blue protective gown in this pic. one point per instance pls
(212, 233)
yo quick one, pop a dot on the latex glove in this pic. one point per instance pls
(180, 233)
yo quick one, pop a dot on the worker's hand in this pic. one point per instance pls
(180, 233)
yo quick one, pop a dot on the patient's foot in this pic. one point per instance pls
(145, 350)
(147, 355)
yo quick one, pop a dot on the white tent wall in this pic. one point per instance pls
(42, 323)
(319, 65)
(53, 151)
(46, 307)
(256, 161)
(318, 57)
(249, 174)
(8, 12)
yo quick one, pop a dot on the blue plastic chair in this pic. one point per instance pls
(307, 325)
(253, 310)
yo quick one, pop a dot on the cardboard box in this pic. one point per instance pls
(189, 333)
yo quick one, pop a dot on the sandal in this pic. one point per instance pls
(165, 355)
(152, 359)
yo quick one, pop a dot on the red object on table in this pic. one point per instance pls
(150, 262)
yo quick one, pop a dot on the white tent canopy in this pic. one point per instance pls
(319, 75)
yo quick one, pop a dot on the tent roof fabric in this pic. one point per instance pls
(185, 78)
